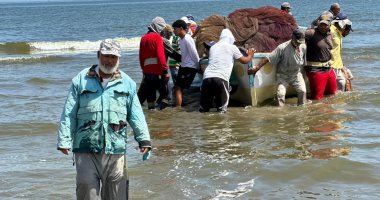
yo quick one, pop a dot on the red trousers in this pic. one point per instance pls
(321, 84)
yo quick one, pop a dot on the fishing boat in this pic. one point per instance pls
(251, 90)
(255, 89)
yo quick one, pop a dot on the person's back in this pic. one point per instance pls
(215, 83)
(189, 55)
(153, 64)
(221, 57)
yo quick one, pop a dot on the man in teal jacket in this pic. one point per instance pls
(101, 101)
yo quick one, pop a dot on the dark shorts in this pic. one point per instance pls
(150, 84)
(185, 77)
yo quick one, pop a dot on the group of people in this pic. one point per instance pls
(154, 51)
(316, 51)
(103, 100)
(154, 48)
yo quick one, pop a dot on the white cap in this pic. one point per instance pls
(184, 18)
(286, 5)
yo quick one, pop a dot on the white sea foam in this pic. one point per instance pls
(82, 46)
(29, 59)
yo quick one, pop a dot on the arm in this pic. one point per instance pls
(136, 120)
(193, 51)
(68, 122)
(170, 52)
(250, 54)
(141, 53)
(254, 69)
(161, 53)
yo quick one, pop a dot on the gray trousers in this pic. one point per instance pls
(297, 82)
(101, 170)
(340, 80)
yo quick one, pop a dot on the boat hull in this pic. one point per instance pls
(257, 89)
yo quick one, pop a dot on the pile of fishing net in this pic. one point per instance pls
(263, 28)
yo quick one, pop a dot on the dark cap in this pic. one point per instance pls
(208, 44)
(180, 24)
(299, 36)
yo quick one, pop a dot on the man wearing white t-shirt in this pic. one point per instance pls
(189, 60)
(215, 84)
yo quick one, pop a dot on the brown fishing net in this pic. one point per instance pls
(263, 28)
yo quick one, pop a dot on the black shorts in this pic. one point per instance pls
(150, 84)
(185, 77)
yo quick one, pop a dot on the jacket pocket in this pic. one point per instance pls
(118, 106)
(89, 96)
(89, 135)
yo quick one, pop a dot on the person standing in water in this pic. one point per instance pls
(289, 59)
(215, 84)
(189, 60)
(341, 27)
(101, 101)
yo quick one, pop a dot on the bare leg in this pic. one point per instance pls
(178, 96)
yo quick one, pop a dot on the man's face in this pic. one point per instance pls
(336, 11)
(108, 62)
(179, 32)
(323, 28)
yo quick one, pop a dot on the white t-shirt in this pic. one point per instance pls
(221, 60)
(189, 54)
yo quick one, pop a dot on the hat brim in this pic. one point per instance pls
(106, 52)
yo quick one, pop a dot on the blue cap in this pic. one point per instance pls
(190, 17)
(341, 16)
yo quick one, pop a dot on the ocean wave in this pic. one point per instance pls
(40, 81)
(126, 44)
(15, 48)
(31, 59)
(63, 46)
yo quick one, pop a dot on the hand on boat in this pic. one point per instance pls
(251, 51)
(253, 70)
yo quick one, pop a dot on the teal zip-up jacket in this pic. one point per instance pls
(95, 118)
